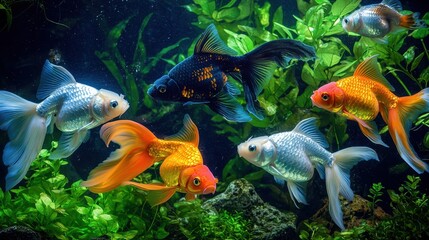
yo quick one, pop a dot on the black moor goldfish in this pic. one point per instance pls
(203, 77)
(377, 20)
(293, 156)
(73, 107)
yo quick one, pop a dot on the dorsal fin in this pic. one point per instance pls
(52, 78)
(188, 133)
(369, 69)
(308, 128)
(395, 4)
(210, 42)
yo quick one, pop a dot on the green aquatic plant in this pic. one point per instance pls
(375, 196)
(6, 13)
(410, 214)
(231, 14)
(195, 222)
(49, 204)
(130, 73)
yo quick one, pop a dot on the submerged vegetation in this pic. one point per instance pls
(410, 215)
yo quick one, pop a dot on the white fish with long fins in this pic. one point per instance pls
(73, 107)
(293, 156)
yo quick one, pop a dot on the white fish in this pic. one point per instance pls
(377, 20)
(73, 107)
(293, 156)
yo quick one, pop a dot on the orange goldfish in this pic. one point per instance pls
(362, 96)
(182, 168)
(377, 20)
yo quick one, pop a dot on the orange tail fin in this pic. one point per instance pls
(407, 21)
(400, 120)
(125, 163)
(156, 193)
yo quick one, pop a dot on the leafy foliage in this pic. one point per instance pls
(196, 223)
(47, 204)
(126, 72)
(410, 209)
(375, 194)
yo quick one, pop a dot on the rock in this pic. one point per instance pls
(19, 232)
(354, 213)
(268, 222)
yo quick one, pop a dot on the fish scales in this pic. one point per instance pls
(294, 151)
(174, 151)
(202, 75)
(75, 110)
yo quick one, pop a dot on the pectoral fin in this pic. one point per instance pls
(368, 128)
(68, 143)
(156, 193)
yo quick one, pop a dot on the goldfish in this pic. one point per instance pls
(203, 78)
(365, 94)
(292, 156)
(74, 108)
(377, 20)
(182, 169)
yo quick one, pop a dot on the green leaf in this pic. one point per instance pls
(409, 54)
(255, 176)
(116, 32)
(161, 233)
(278, 16)
(346, 66)
(264, 14)
(227, 15)
(417, 61)
(329, 54)
(307, 76)
(342, 7)
(140, 54)
(106, 217)
(420, 33)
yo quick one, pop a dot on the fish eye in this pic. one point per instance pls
(325, 96)
(197, 181)
(346, 20)
(252, 148)
(162, 89)
(113, 103)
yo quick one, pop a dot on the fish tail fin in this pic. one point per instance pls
(400, 119)
(156, 193)
(411, 21)
(125, 163)
(259, 64)
(338, 178)
(26, 131)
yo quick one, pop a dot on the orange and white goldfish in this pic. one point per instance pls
(73, 107)
(362, 96)
(293, 156)
(377, 20)
(182, 169)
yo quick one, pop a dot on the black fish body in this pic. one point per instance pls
(203, 77)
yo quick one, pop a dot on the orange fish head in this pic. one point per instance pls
(198, 180)
(329, 97)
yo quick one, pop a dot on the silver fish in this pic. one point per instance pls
(293, 156)
(377, 20)
(73, 107)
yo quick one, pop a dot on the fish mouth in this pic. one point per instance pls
(210, 189)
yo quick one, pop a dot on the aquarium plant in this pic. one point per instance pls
(130, 73)
(410, 215)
